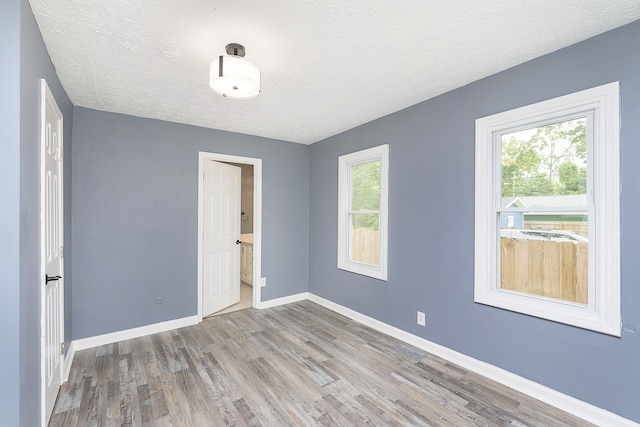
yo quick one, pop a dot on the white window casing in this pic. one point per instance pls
(601, 106)
(345, 164)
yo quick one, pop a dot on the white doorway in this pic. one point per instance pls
(215, 271)
(51, 250)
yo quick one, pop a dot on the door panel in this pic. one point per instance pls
(52, 221)
(221, 268)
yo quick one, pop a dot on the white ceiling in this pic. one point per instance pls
(326, 65)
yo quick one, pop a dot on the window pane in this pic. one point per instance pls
(365, 186)
(545, 255)
(364, 238)
(545, 166)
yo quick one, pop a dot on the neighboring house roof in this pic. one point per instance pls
(545, 201)
(510, 202)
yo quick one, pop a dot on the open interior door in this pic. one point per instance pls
(221, 236)
(52, 222)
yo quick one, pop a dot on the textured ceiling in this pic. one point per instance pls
(327, 66)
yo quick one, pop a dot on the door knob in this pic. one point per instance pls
(48, 278)
(238, 242)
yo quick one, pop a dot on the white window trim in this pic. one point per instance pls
(602, 313)
(345, 163)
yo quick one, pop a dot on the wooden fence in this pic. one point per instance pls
(546, 268)
(364, 246)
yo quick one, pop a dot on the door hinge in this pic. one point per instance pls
(62, 348)
(61, 251)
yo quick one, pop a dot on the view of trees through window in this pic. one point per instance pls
(547, 160)
(365, 181)
(365, 212)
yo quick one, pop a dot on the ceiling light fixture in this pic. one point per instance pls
(234, 77)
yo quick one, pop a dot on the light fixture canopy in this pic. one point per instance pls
(234, 77)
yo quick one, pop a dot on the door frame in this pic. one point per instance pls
(257, 219)
(47, 96)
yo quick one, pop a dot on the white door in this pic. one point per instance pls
(221, 236)
(51, 251)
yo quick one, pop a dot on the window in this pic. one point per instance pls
(362, 216)
(547, 219)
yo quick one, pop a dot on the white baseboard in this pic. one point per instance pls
(284, 300)
(68, 361)
(99, 340)
(586, 411)
(85, 343)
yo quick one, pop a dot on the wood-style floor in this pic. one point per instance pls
(246, 300)
(294, 365)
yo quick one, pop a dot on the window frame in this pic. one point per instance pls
(602, 313)
(345, 164)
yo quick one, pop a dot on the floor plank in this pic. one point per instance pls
(298, 364)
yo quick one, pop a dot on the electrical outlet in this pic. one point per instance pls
(422, 321)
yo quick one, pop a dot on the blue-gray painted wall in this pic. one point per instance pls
(10, 212)
(135, 217)
(431, 155)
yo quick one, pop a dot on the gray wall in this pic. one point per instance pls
(10, 212)
(431, 245)
(135, 198)
(34, 65)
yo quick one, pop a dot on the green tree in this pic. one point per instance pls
(520, 162)
(365, 184)
(572, 178)
(561, 143)
(546, 160)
